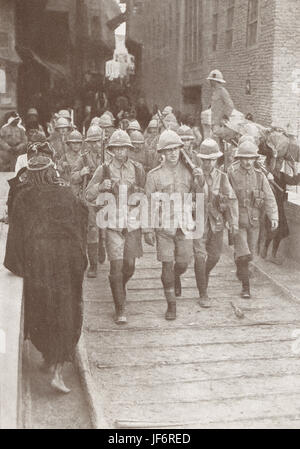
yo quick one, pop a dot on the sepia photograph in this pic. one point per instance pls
(149, 217)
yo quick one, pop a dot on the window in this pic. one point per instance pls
(215, 25)
(252, 27)
(2, 81)
(193, 30)
(229, 28)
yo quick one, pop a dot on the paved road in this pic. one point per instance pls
(206, 369)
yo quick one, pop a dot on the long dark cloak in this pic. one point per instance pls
(46, 245)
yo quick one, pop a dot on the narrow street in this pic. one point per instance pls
(208, 368)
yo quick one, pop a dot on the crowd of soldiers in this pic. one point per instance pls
(153, 160)
(53, 204)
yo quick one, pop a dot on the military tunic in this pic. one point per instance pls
(66, 163)
(172, 243)
(254, 197)
(221, 209)
(123, 240)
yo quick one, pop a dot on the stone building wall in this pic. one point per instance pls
(162, 48)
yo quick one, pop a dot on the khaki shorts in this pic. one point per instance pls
(246, 242)
(123, 244)
(173, 247)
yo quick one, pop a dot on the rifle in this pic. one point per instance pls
(85, 178)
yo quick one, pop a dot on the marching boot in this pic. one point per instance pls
(171, 300)
(177, 285)
(101, 248)
(238, 274)
(244, 275)
(202, 283)
(117, 289)
(92, 251)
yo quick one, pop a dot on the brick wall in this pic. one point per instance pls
(240, 63)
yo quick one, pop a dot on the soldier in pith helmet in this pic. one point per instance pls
(123, 243)
(174, 249)
(255, 197)
(221, 212)
(82, 172)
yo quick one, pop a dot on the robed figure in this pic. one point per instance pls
(46, 245)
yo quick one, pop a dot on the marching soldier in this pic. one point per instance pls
(82, 173)
(187, 136)
(59, 137)
(123, 243)
(172, 244)
(221, 210)
(254, 196)
(138, 152)
(132, 127)
(106, 123)
(74, 146)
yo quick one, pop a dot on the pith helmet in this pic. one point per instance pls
(74, 137)
(169, 139)
(247, 149)
(62, 122)
(167, 110)
(246, 139)
(153, 123)
(134, 126)
(95, 121)
(209, 149)
(119, 138)
(64, 113)
(105, 121)
(169, 118)
(216, 75)
(94, 134)
(185, 133)
(137, 137)
(32, 111)
(111, 115)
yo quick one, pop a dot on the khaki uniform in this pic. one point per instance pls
(153, 157)
(221, 208)
(13, 143)
(65, 165)
(171, 242)
(221, 104)
(140, 156)
(59, 144)
(254, 196)
(78, 184)
(122, 242)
